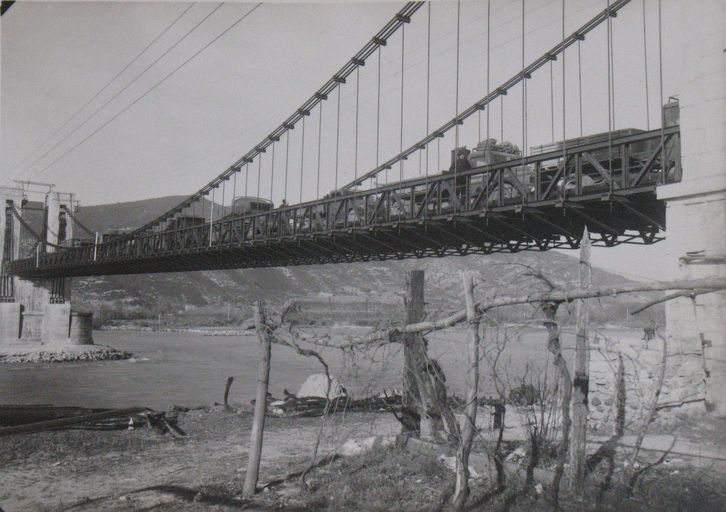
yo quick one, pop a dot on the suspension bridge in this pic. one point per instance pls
(497, 197)
(623, 183)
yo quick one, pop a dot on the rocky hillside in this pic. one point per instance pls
(231, 292)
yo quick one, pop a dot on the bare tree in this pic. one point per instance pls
(461, 491)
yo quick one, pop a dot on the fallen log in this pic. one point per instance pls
(119, 419)
(72, 421)
(293, 406)
(21, 414)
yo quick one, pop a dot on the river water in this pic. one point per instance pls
(189, 369)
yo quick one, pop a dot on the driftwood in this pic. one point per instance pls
(293, 406)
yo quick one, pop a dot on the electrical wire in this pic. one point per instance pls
(125, 87)
(157, 84)
(113, 79)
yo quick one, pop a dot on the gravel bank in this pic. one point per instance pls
(60, 354)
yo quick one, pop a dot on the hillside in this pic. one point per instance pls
(229, 293)
(112, 216)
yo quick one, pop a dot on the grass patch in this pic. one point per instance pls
(390, 478)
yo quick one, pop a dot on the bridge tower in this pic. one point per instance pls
(695, 244)
(37, 309)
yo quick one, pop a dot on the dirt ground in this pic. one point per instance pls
(142, 469)
(109, 470)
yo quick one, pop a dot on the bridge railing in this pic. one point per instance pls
(623, 165)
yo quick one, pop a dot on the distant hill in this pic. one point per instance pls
(213, 293)
(107, 217)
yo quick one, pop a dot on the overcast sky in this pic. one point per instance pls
(58, 55)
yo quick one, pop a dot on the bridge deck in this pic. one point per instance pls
(538, 202)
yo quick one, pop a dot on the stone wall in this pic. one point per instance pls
(683, 387)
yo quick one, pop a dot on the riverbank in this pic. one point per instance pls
(202, 331)
(58, 353)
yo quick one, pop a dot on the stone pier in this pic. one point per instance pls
(695, 247)
(695, 242)
(34, 311)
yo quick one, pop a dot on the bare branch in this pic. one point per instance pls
(564, 295)
(691, 294)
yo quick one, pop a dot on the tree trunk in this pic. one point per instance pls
(258, 421)
(578, 452)
(555, 348)
(461, 492)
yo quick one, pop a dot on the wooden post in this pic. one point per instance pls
(461, 491)
(226, 391)
(554, 346)
(258, 421)
(414, 354)
(580, 384)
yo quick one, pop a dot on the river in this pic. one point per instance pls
(189, 369)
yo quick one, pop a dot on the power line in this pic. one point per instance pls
(169, 75)
(143, 72)
(127, 66)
